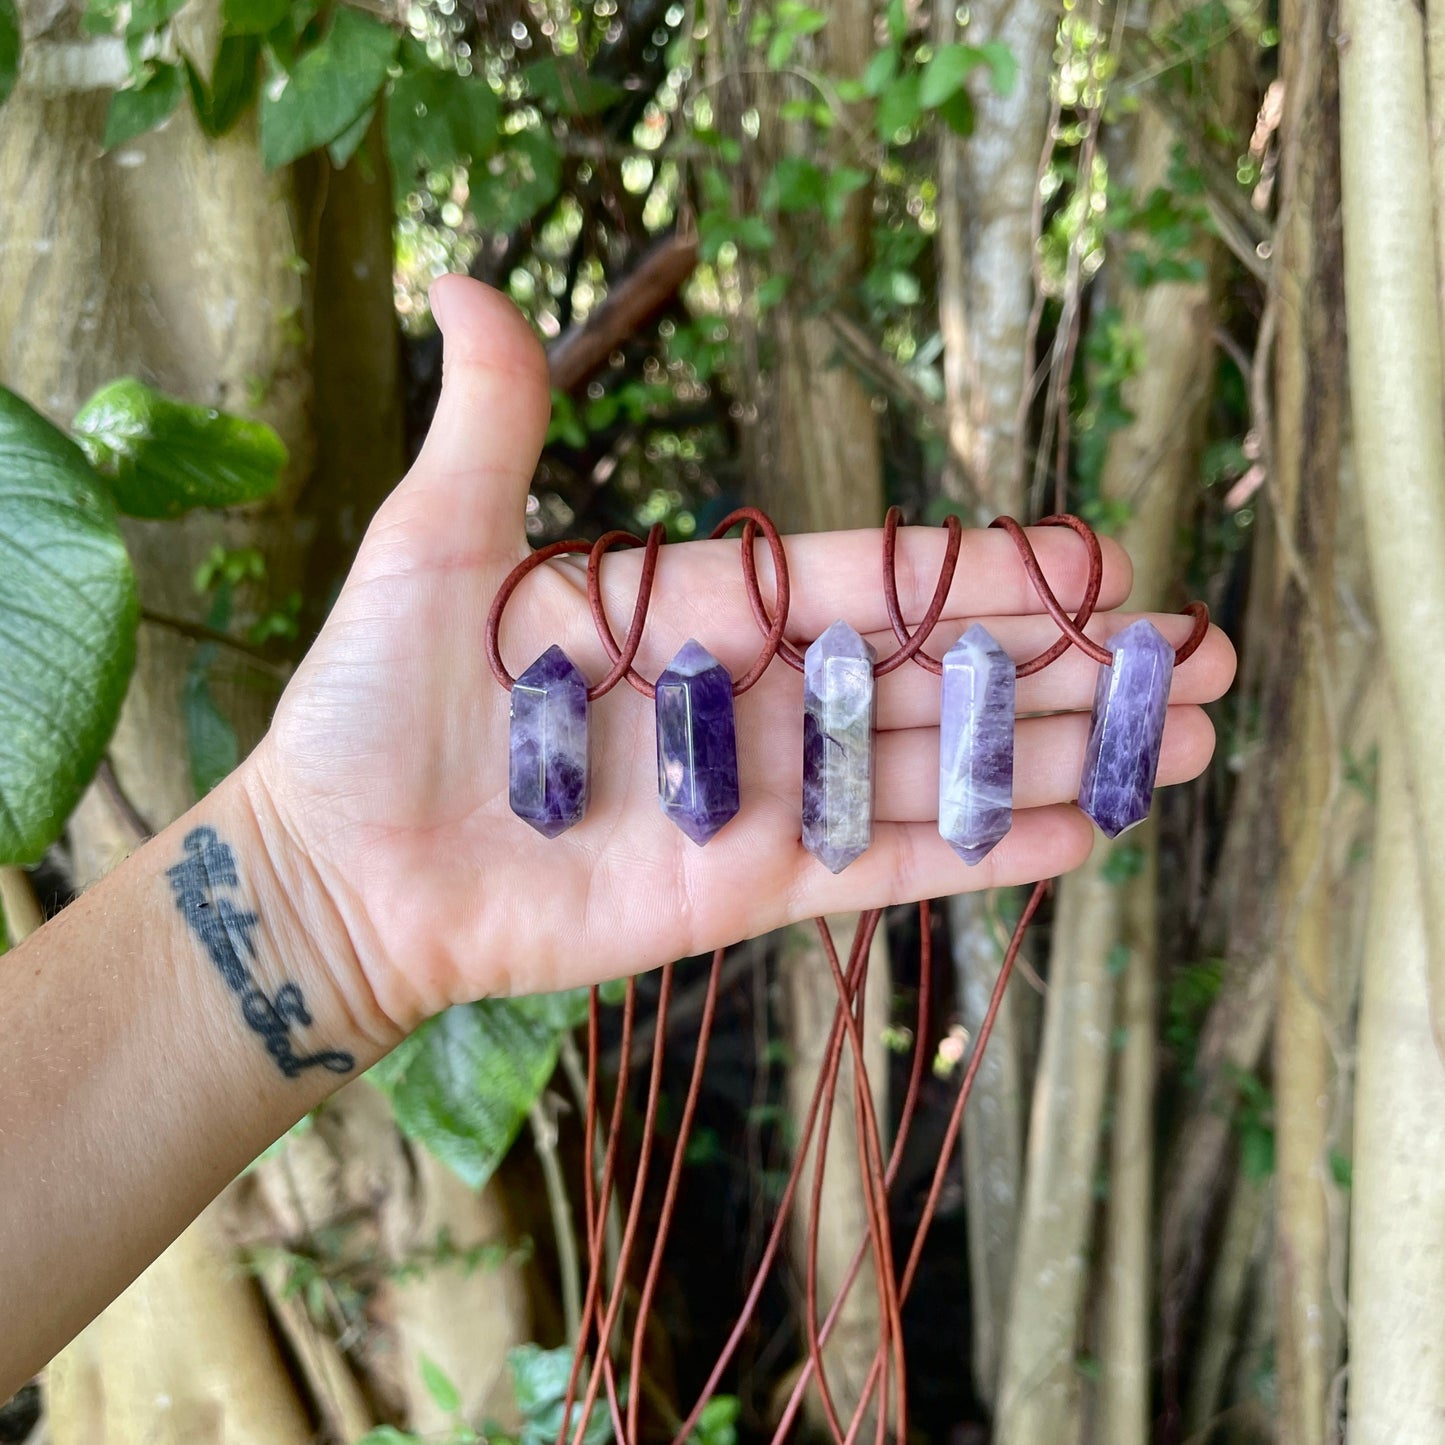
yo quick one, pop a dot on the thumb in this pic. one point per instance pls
(472, 475)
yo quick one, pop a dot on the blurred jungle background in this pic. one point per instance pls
(1014, 257)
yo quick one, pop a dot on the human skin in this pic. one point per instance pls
(361, 870)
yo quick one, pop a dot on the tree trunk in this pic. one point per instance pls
(1390, 246)
(1397, 1242)
(1151, 463)
(987, 186)
(814, 462)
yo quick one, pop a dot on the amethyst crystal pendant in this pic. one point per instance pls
(1126, 730)
(697, 750)
(548, 744)
(976, 745)
(838, 717)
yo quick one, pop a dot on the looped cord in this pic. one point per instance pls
(622, 657)
(773, 624)
(753, 520)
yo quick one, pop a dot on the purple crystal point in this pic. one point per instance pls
(697, 749)
(1126, 730)
(838, 714)
(548, 744)
(976, 745)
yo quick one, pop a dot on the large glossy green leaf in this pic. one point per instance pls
(9, 47)
(68, 616)
(539, 1386)
(328, 88)
(162, 457)
(142, 108)
(437, 118)
(463, 1083)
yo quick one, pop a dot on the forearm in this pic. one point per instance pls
(158, 1034)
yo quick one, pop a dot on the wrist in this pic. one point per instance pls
(303, 934)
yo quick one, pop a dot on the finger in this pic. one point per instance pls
(909, 698)
(467, 491)
(909, 861)
(1048, 759)
(699, 587)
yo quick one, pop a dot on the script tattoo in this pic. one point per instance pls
(226, 932)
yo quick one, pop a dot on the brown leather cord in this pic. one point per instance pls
(607, 1290)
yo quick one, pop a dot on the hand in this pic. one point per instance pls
(385, 772)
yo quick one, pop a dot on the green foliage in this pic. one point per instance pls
(328, 89)
(539, 1384)
(221, 101)
(68, 615)
(567, 89)
(163, 458)
(436, 118)
(439, 1386)
(1192, 990)
(1125, 861)
(143, 107)
(253, 17)
(521, 178)
(463, 1083)
(718, 1422)
(1254, 1119)
(9, 47)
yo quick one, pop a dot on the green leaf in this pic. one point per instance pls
(717, 1422)
(463, 1083)
(880, 71)
(841, 183)
(539, 1385)
(148, 15)
(957, 113)
(1003, 67)
(9, 47)
(898, 106)
(344, 146)
(439, 1386)
(68, 615)
(253, 17)
(328, 88)
(566, 88)
(946, 73)
(142, 108)
(210, 738)
(796, 184)
(437, 118)
(897, 21)
(234, 78)
(162, 457)
(517, 182)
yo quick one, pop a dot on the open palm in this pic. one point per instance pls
(388, 757)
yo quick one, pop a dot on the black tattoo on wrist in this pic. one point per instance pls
(225, 931)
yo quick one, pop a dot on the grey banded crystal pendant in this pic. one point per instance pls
(838, 717)
(976, 745)
(697, 750)
(547, 746)
(1126, 730)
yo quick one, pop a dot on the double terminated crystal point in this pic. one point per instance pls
(838, 717)
(1126, 730)
(548, 744)
(697, 749)
(976, 745)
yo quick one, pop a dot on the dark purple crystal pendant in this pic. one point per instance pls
(697, 750)
(548, 744)
(1126, 731)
